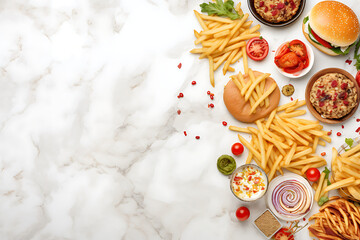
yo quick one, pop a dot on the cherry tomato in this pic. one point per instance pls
(283, 50)
(237, 149)
(320, 40)
(284, 234)
(313, 174)
(257, 48)
(288, 60)
(299, 48)
(242, 213)
(358, 78)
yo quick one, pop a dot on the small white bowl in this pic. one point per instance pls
(302, 72)
(286, 177)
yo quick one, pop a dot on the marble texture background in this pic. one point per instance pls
(91, 145)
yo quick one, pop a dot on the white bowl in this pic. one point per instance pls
(275, 182)
(302, 72)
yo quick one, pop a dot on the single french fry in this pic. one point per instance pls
(270, 119)
(237, 57)
(315, 143)
(211, 71)
(245, 60)
(287, 105)
(200, 20)
(221, 34)
(343, 183)
(227, 63)
(217, 19)
(319, 189)
(239, 129)
(249, 146)
(276, 164)
(290, 154)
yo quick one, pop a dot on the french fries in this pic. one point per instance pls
(290, 148)
(224, 40)
(253, 89)
(346, 172)
(337, 219)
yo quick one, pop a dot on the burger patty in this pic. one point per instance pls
(276, 11)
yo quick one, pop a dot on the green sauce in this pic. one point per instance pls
(226, 164)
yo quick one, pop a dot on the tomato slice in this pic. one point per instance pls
(283, 234)
(298, 47)
(257, 48)
(320, 40)
(288, 60)
(282, 51)
(358, 78)
(295, 69)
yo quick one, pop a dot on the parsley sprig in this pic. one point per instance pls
(220, 8)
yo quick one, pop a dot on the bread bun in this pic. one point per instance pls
(318, 46)
(240, 109)
(334, 22)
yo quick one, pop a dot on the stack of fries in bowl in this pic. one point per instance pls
(345, 166)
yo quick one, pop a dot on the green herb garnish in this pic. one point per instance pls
(327, 173)
(220, 8)
(323, 200)
(306, 19)
(357, 55)
(349, 142)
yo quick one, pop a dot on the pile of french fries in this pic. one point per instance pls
(338, 219)
(346, 172)
(283, 141)
(253, 89)
(223, 40)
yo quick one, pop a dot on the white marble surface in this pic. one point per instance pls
(91, 146)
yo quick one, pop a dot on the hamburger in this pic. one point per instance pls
(332, 27)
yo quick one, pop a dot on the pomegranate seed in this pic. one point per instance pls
(329, 133)
(211, 105)
(193, 82)
(344, 86)
(348, 61)
(334, 83)
(323, 153)
(179, 66)
(321, 104)
(358, 120)
(178, 112)
(274, 12)
(212, 97)
(291, 99)
(266, 9)
(346, 103)
(208, 92)
(224, 123)
(304, 219)
(338, 134)
(197, 137)
(280, 6)
(342, 126)
(181, 95)
(358, 130)
(185, 133)
(261, 4)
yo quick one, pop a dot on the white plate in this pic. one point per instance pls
(275, 182)
(302, 72)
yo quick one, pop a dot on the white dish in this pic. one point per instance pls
(280, 180)
(302, 72)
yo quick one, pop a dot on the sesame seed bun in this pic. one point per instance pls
(334, 22)
(320, 47)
